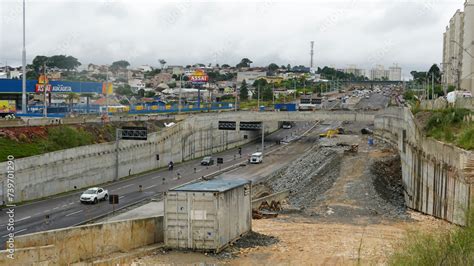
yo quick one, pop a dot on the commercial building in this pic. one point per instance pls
(458, 49)
(352, 69)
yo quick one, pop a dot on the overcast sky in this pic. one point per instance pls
(361, 32)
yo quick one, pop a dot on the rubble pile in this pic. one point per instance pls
(308, 177)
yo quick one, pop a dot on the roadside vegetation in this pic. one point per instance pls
(455, 247)
(58, 138)
(29, 141)
(449, 125)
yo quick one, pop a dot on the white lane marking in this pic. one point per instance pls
(155, 177)
(27, 217)
(125, 186)
(72, 213)
(71, 203)
(46, 211)
(121, 197)
(65, 205)
(55, 208)
(150, 186)
(15, 232)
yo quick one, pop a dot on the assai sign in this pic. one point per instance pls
(199, 77)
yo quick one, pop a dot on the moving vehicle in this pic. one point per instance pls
(256, 158)
(94, 194)
(208, 160)
(286, 125)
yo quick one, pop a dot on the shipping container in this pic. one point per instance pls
(207, 215)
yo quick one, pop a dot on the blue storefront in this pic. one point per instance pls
(11, 89)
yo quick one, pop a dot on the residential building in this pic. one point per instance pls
(467, 71)
(379, 73)
(250, 76)
(395, 73)
(452, 49)
(136, 85)
(352, 69)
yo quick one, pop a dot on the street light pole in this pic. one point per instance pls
(23, 82)
(180, 89)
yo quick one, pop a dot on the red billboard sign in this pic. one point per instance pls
(198, 77)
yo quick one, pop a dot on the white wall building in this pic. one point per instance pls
(250, 76)
(136, 85)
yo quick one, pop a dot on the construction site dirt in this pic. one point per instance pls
(344, 208)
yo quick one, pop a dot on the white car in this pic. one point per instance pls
(256, 158)
(94, 194)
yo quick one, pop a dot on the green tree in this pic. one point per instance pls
(259, 84)
(162, 63)
(272, 67)
(225, 66)
(150, 94)
(245, 62)
(121, 64)
(267, 94)
(436, 73)
(71, 97)
(124, 90)
(244, 91)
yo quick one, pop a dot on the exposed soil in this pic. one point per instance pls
(344, 209)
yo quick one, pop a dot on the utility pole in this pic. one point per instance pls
(23, 78)
(180, 89)
(432, 87)
(45, 87)
(117, 139)
(263, 137)
(258, 98)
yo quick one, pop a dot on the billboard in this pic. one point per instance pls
(107, 88)
(199, 77)
(7, 106)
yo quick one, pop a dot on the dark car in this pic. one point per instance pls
(208, 160)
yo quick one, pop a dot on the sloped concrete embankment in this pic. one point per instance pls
(438, 178)
(57, 172)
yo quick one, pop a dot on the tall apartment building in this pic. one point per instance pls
(467, 71)
(452, 51)
(379, 73)
(458, 49)
(352, 69)
(395, 73)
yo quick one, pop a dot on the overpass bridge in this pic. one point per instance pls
(248, 116)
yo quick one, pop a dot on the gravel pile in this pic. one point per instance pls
(309, 177)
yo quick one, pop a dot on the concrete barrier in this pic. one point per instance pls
(61, 171)
(438, 177)
(75, 244)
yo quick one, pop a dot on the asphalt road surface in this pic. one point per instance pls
(66, 210)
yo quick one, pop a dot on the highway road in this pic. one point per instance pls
(66, 210)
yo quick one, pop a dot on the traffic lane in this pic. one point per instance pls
(67, 210)
(76, 212)
(279, 158)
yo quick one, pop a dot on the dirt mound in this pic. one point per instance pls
(387, 179)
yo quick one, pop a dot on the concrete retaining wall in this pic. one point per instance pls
(74, 244)
(438, 177)
(57, 172)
